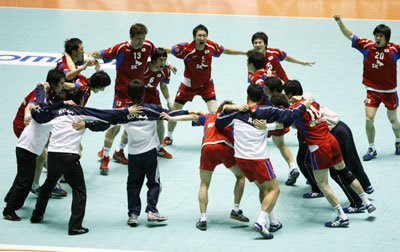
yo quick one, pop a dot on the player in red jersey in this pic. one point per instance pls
(379, 78)
(197, 56)
(271, 85)
(217, 148)
(324, 154)
(274, 56)
(131, 58)
(158, 73)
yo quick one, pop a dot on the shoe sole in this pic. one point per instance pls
(164, 156)
(370, 210)
(156, 220)
(104, 172)
(274, 229)
(201, 228)
(8, 217)
(239, 219)
(133, 225)
(270, 236)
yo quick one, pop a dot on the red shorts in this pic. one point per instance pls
(391, 100)
(260, 170)
(215, 154)
(280, 132)
(152, 98)
(119, 101)
(327, 155)
(186, 93)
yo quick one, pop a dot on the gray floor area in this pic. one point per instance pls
(335, 80)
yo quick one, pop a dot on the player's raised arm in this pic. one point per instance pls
(343, 28)
(292, 59)
(231, 51)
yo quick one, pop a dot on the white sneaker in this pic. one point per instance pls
(133, 220)
(156, 217)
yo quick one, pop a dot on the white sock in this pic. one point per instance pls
(364, 198)
(292, 165)
(262, 218)
(159, 147)
(203, 217)
(170, 134)
(35, 186)
(372, 146)
(236, 207)
(121, 146)
(272, 218)
(340, 213)
(106, 152)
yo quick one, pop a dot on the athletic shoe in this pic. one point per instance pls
(274, 227)
(263, 230)
(370, 154)
(58, 191)
(12, 216)
(239, 216)
(119, 157)
(351, 209)
(36, 219)
(104, 165)
(371, 208)
(369, 189)
(338, 222)
(312, 195)
(167, 141)
(202, 225)
(133, 220)
(293, 175)
(79, 231)
(156, 217)
(163, 153)
(100, 153)
(397, 152)
(35, 191)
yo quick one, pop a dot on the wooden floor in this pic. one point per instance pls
(359, 9)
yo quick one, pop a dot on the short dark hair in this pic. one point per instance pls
(74, 94)
(221, 106)
(136, 90)
(255, 92)
(99, 79)
(260, 35)
(256, 58)
(161, 52)
(72, 44)
(280, 100)
(273, 83)
(200, 27)
(383, 29)
(137, 29)
(293, 87)
(53, 76)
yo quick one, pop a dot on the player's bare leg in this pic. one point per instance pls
(370, 113)
(236, 213)
(171, 126)
(212, 106)
(286, 153)
(205, 179)
(161, 152)
(108, 141)
(321, 176)
(392, 116)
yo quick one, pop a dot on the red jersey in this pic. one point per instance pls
(62, 65)
(211, 134)
(312, 125)
(19, 117)
(130, 65)
(152, 79)
(273, 57)
(379, 71)
(258, 78)
(197, 63)
(81, 83)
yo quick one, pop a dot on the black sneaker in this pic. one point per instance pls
(12, 216)
(202, 225)
(36, 219)
(239, 216)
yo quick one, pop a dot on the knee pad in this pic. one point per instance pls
(346, 175)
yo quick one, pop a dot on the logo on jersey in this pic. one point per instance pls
(137, 64)
(139, 117)
(65, 111)
(270, 57)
